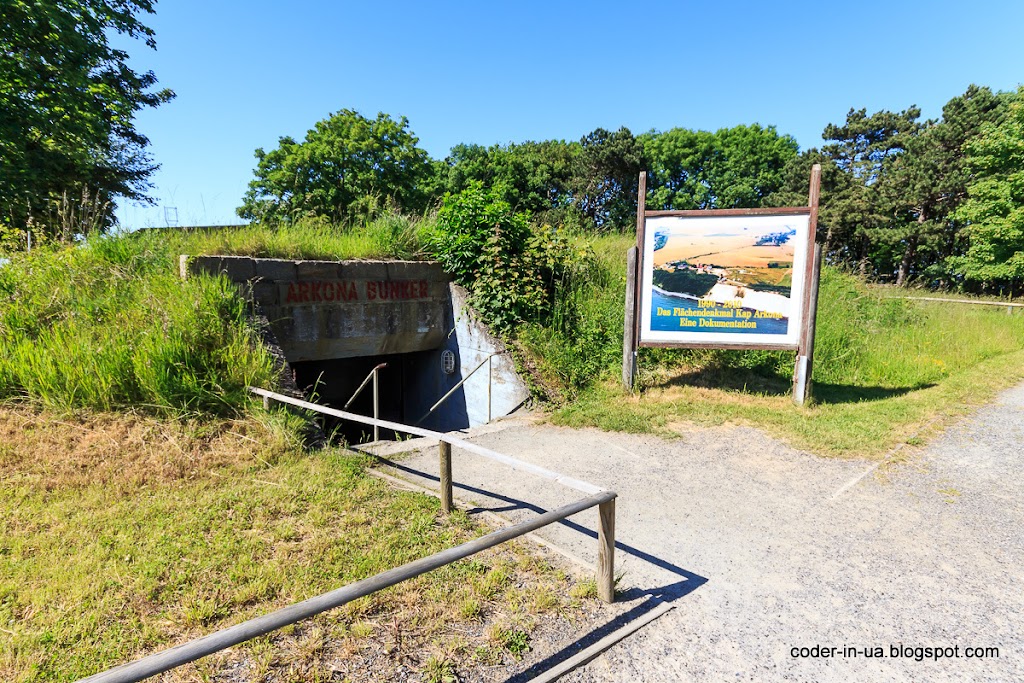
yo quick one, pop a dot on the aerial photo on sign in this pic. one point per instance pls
(725, 275)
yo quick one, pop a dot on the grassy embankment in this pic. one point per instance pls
(186, 509)
(121, 533)
(886, 370)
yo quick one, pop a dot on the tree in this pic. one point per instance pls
(861, 149)
(345, 161)
(927, 183)
(532, 177)
(67, 105)
(604, 178)
(731, 168)
(994, 210)
(676, 160)
(795, 186)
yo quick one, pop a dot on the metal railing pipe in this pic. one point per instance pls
(514, 463)
(363, 385)
(461, 382)
(247, 630)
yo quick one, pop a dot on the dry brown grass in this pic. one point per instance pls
(124, 534)
(124, 450)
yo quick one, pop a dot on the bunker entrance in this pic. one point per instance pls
(334, 382)
(334, 321)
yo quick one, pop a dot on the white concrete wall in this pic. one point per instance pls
(493, 391)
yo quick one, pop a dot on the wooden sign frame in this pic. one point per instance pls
(804, 345)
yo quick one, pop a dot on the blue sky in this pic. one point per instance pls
(249, 72)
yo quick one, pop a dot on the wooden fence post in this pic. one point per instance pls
(629, 333)
(446, 477)
(606, 551)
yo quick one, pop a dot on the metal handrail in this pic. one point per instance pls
(448, 438)
(253, 628)
(363, 385)
(376, 396)
(461, 382)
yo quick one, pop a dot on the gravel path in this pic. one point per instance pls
(762, 548)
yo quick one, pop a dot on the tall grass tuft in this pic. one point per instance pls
(582, 338)
(388, 236)
(108, 324)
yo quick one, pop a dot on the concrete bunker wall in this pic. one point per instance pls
(334, 320)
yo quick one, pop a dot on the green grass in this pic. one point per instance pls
(109, 324)
(122, 534)
(583, 336)
(884, 368)
(391, 236)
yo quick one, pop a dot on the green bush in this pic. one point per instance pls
(510, 268)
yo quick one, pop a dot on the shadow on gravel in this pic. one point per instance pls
(656, 595)
(768, 384)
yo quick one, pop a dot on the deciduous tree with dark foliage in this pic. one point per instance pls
(68, 100)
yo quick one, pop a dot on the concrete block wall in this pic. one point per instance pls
(493, 391)
(323, 310)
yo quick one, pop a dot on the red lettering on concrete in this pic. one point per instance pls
(317, 291)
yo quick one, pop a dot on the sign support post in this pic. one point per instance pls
(631, 331)
(805, 353)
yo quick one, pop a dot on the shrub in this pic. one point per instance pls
(510, 267)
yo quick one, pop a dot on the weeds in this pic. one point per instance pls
(389, 236)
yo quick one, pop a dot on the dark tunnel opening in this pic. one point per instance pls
(333, 382)
(408, 385)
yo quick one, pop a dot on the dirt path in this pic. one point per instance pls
(763, 549)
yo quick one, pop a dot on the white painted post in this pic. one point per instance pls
(376, 405)
(800, 391)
